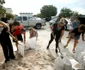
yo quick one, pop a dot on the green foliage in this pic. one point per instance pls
(38, 15)
(75, 13)
(65, 12)
(48, 11)
(2, 10)
(9, 16)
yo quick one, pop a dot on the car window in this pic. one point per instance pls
(24, 18)
(54, 19)
(29, 17)
(18, 18)
(32, 19)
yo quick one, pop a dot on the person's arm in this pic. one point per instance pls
(30, 34)
(4, 24)
(15, 33)
(24, 37)
(51, 27)
(13, 37)
(62, 34)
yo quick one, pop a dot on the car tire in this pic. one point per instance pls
(38, 26)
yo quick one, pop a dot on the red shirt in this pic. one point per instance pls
(18, 30)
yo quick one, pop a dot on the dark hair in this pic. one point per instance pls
(82, 27)
(23, 29)
(76, 16)
(16, 23)
(60, 16)
(30, 28)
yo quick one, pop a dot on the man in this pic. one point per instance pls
(4, 19)
(57, 33)
(75, 34)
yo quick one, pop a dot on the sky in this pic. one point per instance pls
(34, 6)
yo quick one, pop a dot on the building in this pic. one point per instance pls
(8, 10)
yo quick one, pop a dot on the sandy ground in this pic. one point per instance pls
(39, 58)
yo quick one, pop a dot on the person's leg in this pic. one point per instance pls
(10, 48)
(50, 41)
(57, 45)
(5, 51)
(75, 43)
(69, 33)
(67, 42)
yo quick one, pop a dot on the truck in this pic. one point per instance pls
(31, 21)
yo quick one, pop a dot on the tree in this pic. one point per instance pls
(75, 13)
(65, 12)
(48, 11)
(38, 15)
(2, 10)
(9, 16)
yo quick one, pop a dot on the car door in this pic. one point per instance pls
(24, 21)
(32, 22)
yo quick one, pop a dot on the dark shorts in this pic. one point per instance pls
(19, 37)
(77, 37)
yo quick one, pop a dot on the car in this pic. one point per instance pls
(52, 21)
(31, 22)
(69, 24)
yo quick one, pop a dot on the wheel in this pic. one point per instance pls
(38, 26)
